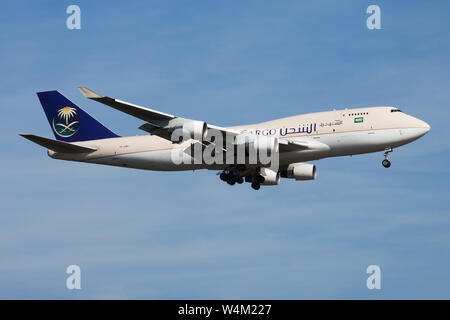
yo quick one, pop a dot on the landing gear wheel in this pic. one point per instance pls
(386, 163)
(231, 179)
(256, 185)
(240, 180)
(259, 178)
(223, 176)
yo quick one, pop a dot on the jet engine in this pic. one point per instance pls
(271, 177)
(300, 171)
(191, 129)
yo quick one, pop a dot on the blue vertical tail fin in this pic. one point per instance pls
(69, 122)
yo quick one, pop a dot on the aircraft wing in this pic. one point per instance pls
(301, 144)
(158, 123)
(162, 124)
(142, 113)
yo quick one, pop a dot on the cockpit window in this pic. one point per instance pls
(396, 110)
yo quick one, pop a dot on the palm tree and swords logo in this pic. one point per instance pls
(66, 122)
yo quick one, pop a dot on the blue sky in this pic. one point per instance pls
(138, 234)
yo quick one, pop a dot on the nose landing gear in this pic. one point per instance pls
(386, 163)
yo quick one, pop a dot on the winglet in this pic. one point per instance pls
(89, 93)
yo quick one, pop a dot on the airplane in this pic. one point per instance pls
(294, 140)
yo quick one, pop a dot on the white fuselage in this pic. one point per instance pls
(344, 132)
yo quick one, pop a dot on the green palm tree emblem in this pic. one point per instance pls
(66, 122)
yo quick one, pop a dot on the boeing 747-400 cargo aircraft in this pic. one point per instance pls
(173, 141)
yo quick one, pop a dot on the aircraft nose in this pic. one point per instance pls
(424, 125)
(422, 128)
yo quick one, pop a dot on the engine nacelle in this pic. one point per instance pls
(301, 171)
(191, 129)
(271, 177)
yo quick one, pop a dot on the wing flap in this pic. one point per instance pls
(155, 130)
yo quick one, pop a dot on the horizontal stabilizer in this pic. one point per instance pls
(57, 146)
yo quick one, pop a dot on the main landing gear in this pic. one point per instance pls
(231, 179)
(240, 174)
(386, 163)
